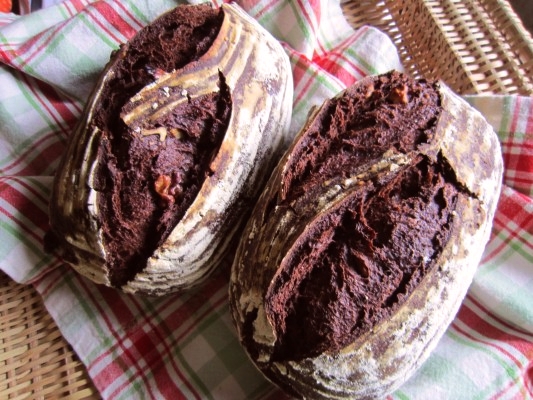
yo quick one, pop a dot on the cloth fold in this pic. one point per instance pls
(184, 345)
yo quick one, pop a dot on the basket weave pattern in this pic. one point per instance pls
(474, 46)
(35, 361)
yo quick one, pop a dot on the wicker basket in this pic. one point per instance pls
(35, 361)
(474, 46)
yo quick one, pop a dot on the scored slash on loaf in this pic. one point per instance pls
(171, 151)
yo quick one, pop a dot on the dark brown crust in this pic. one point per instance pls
(242, 64)
(357, 263)
(341, 288)
(140, 208)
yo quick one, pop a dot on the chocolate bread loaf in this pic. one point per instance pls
(366, 238)
(172, 149)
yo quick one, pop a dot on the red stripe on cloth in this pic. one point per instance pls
(114, 20)
(166, 385)
(174, 323)
(302, 69)
(37, 195)
(331, 62)
(33, 47)
(493, 336)
(53, 102)
(512, 329)
(513, 336)
(144, 343)
(351, 39)
(189, 329)
(164, 382)
(194, 303)
(492, 343)
(512, 220)
(529, 118)
(528, 378)
(140, 351)
(516, 116)
(316, 12)
(36, 280)
(44, 271)
(37, 157)
(75, 6)
(518, 159)
(126, 12)
(37, 217)
(25, 229)
(248, 5)
(518, 146)
(497, 227)
(39, 280)
(503, 393)
(334, 67)
(112, 370)
(524, 391)
(125, 354)
(123, 360)
(6, 55)
(57, 105)
(511, 204)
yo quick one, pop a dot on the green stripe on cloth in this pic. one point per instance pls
(400, 396)
(79, 305)
(439, 371)
(20, 230)
(144, 17)
(270, 19)
(222, 356)
(79, 312)
(370, 65)
(37, 106)
(304, 33)
(495, 383)
(14, 244)
(104, 39)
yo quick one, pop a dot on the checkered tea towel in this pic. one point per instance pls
(184, 345)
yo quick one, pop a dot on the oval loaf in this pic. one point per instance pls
(171, 151)
(365, 240)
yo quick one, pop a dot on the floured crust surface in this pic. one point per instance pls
(366, 238)
(171, 150)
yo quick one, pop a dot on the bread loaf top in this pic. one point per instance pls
(165, 161)
(150, 173)
(366, 238)
(358, 262)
